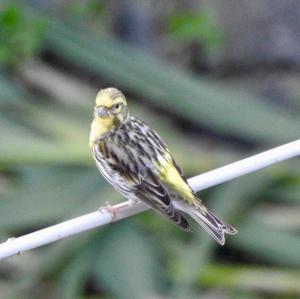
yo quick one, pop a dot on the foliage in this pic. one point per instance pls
(201, 102)
(197, 26)
(86, 10)
(48, 176)
(20, 38)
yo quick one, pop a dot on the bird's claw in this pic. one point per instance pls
(109, 208)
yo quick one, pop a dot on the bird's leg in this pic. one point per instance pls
(129, 203)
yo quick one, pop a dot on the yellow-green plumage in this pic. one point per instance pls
(136, 161)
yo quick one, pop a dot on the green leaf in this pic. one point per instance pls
(199, 26)
(268, 243)
(20, 38)
(251, 278)
(288, 194)
(127, 265)
(10, 17)
(76, 272)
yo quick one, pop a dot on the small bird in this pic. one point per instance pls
(136, 161)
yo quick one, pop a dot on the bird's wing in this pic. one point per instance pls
(137, 177)
(154, 194)
(148, 151)
(147, 187)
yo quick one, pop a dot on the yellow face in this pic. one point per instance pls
(110, 112)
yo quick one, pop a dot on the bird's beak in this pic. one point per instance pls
(102, 112)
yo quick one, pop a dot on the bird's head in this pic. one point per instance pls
(110, 111)
(111, 106)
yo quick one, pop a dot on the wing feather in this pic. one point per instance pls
(135, 164)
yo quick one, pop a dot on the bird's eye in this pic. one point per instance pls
(116, 108)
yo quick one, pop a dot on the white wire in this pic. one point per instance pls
(74, 226)
(245, 166)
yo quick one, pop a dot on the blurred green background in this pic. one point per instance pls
(219, 80)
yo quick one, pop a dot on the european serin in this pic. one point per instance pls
(137, 162)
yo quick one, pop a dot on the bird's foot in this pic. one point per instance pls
(114, 209)
(132, 202)
(111, 209)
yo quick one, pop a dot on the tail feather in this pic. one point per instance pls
(211, 223)
(180, 220)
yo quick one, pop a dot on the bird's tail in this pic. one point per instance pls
(216, 227)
